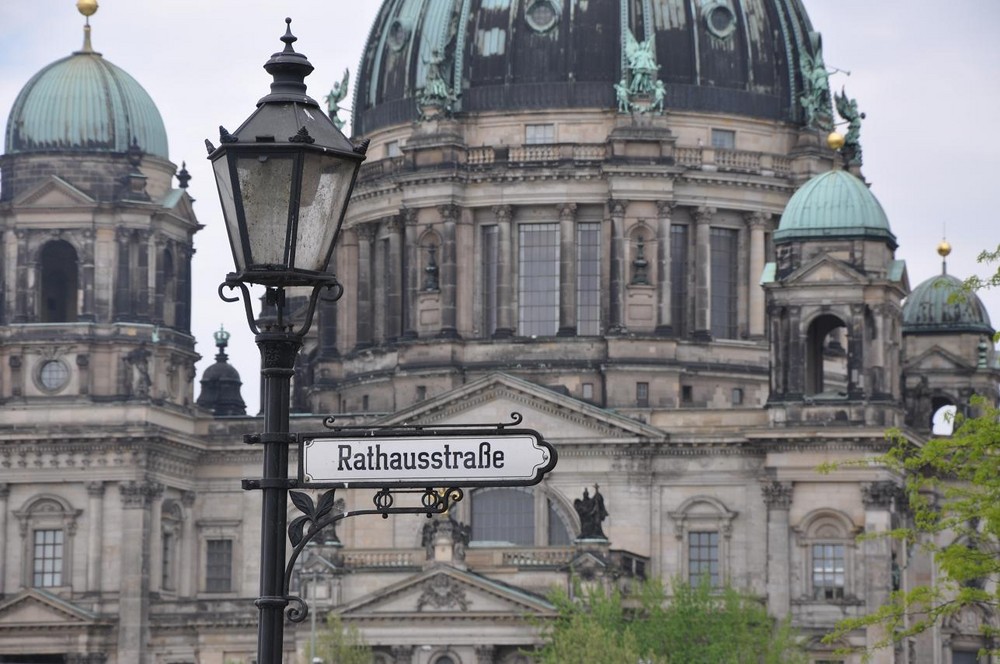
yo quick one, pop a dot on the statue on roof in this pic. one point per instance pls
(641, 64)
(436, 97)
(815, 97)
(337, 95)
(848, 110)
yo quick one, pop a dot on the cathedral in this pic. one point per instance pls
(629, 225)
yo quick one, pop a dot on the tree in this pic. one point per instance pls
(697, 625)
(953, 489)
(341, 644)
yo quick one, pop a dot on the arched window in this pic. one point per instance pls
(59, 270)
(172, 519)
(505, 515)
(943, 420)
(827, 542)
(826, 357)
(703, 526)
(47, 527)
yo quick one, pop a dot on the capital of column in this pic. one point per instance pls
(503, 213)
(704, 214)
(365, 232)
(665, 209)
(4, 490)
(139, 495)
(617, 207)
(122, 233)
(484, 654)
(449, 212)
(394, 224)
(879, 495)
(567, 211)
(409, 216)
(95, 489)
(188, 498)
(757, 219)
(777, 495)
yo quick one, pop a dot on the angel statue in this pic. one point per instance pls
(848, 110)
(641, 64)
(815, 98)
(435, 97)
(337, 95)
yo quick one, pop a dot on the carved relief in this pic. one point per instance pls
(442, 592)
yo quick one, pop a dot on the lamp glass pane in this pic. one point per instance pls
(325, 186)
(221, 168)
(265, 186)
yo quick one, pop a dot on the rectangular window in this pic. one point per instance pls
(167, 569)
(588, 391)
(724, 287)
(724, 138)
(737, 396)
(392, 149)
(679, 279)
(539, 134)
(219, 566)
(964, 657)
(48, 558)
(687, 394)
(538, 280)
(828, 575)
(421, 392)
(491, 276)
(703, 558)
(642, 395)
(588, 279)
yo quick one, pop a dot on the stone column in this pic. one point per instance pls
(778, 498)
(876, 584)
(394, 272)
(189, 547)
(160, 279)
(366, 234)
(505, 272)
(794, 354)
(411, 279)
(664, 287)
(618, 267)
(449, 272)
(133, 603)
(567, 270)
(703, 273)
(156, 545)
(757, 221)
(95, 535)
(87, 308)
(347, 306)
(24, 288)
(142, 297)
(123, 291)
(4, 508)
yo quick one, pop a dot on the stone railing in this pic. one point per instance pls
(691, 157)
(523, 153)
(382, 558)
(481, 156)
(737, 160)
(548, 556)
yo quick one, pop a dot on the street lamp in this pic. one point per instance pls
(285, 178)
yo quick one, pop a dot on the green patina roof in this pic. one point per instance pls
(835, 204)
(84, 103)
(929, 309)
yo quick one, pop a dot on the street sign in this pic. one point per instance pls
(418, 458)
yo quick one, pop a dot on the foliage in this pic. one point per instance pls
(953, 488)
(697, 625)
(340, 643)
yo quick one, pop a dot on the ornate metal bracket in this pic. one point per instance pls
(515, 419)
(319, 515)
(275, 296)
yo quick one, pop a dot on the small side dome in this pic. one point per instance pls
(220, 384)
(835, 204)
(84, 103)
(928, 310)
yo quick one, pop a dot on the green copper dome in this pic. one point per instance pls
(834, 204)
(84, 103)
(928, 309)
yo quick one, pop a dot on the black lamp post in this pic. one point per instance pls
(284, 179)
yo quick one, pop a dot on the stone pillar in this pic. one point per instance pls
(133, 602)
(160, 279)
(394, 272)
(505, 272)
(4, 508)
(664, 287)
(876, 584)
(182, 296)
(794, 354)
(24, 288)
(123, 291)
(703, 273)
(778, 498)
(156, 545)
(366, 234)
(87, 306)
(567, 270)
(189, 547)
(449, 272)
(757, 221)
(618, 267)
(411, 278)
(347, 306)
(143, 294)
(95, 535)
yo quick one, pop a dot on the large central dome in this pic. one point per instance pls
(729, 56)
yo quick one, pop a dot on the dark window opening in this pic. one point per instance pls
(491, 279)
(679, 276)
(687, 394)
(219, 566)
(826, 360)
(59, 283)
(588, 279)
(642, 395)
(725, 250)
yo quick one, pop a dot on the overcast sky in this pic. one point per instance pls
(927, 74)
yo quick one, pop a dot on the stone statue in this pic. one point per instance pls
(621, 92)
(641, 64)
(337, 95)
(659, 96)
(435, 97)
(815, 98)
(592, 512)
(848, 110)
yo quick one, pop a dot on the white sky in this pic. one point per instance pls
(927, 74)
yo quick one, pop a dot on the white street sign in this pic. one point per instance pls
(419, 460)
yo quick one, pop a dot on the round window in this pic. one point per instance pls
(53, 375)
(542, 15)
(721, 20)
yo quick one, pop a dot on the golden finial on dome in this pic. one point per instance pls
(87, 7)
(835, 140)
(944, 248)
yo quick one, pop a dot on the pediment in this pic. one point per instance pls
(936, 359)
(493, 398)
(179, 203)
(826, 270)
(445, 591)
(53, 192)
(37, 608)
